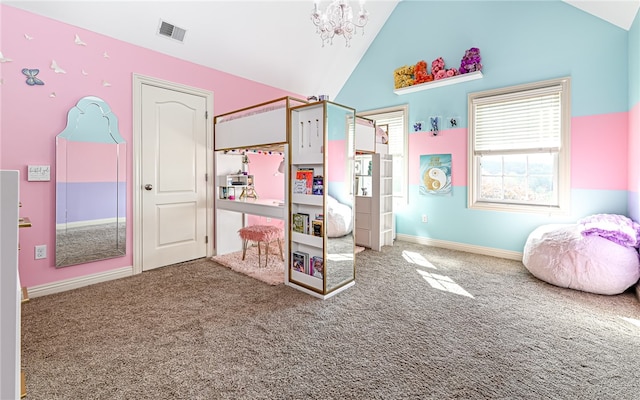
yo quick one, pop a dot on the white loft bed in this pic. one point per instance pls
(260, 127)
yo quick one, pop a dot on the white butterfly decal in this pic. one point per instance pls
(56, 68)
(28, 37)
(53, 94)
(79, 42)
(31, 76)
(3, 59)
(105, 55)
(105, 83)
(85, 73)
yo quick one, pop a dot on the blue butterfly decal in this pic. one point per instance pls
(31, 76)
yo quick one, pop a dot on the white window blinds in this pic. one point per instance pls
(395, 121)
(527, 121)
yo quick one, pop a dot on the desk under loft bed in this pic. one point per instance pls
(258, 128)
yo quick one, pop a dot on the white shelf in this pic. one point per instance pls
(471, 76)
(266, 208)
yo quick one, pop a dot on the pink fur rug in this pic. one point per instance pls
(272, 274)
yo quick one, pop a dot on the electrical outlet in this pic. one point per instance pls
(41, 252)
(424, 218)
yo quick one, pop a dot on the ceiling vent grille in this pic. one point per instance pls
(171, 31)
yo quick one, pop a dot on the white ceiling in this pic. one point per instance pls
(272, 42)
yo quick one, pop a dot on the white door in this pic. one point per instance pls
(173, 176)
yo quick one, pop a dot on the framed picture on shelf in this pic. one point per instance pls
(357, 167)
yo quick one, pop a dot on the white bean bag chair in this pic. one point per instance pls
(339, 218)
(585, 257)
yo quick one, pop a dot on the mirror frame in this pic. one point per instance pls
(90, 221)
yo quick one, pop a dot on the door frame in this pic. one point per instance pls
(138, 82)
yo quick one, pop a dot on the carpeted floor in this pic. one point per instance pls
(420, 323)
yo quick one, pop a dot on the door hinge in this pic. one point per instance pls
(206, 239)
(206, 177)
(206, 115)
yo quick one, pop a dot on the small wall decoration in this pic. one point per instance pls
(435, 125)
(31, 76)
(56, 68)
(4, 59)
(417, 126)
(79, 41)
(435, 174)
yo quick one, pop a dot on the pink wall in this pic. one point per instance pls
(32, 116)
(634, 149)
(598, 152)
(263, 166)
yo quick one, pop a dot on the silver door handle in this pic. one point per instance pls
(148, 186)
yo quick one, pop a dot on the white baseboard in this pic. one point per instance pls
(469, 248)
(81, 281)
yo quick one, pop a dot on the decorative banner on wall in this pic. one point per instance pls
(435, 174)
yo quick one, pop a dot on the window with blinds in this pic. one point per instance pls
(396, 118)
(519, 147)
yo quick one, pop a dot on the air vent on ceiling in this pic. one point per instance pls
(171, 31)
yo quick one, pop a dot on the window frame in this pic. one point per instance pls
(562, 175)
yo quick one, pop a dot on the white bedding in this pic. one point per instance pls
(340, 218)
(563, 256)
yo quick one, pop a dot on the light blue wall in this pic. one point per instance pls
(634, 62)
(520, 42)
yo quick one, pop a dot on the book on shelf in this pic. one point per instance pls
(299, 186)
(306, 175)
(300, 261)
(318, 185)
(316, 267)
(317, 227)
(300, 223)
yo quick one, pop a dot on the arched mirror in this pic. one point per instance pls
(90, 185)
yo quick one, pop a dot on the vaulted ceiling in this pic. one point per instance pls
(272, 42)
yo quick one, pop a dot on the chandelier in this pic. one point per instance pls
(338, 20)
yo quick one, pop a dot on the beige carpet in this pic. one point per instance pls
(272, 274)
(420, 323)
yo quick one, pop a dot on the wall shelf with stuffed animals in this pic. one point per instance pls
(415, 78)
(441, 82)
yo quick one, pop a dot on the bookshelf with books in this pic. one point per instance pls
(374, 202)
(316, 130)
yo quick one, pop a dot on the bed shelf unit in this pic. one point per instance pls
(319, 146)
(374, 206)
(373, 166)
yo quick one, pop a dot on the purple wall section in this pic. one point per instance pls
(32, 116)
(91, 201)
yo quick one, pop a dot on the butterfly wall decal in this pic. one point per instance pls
(31, 76)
